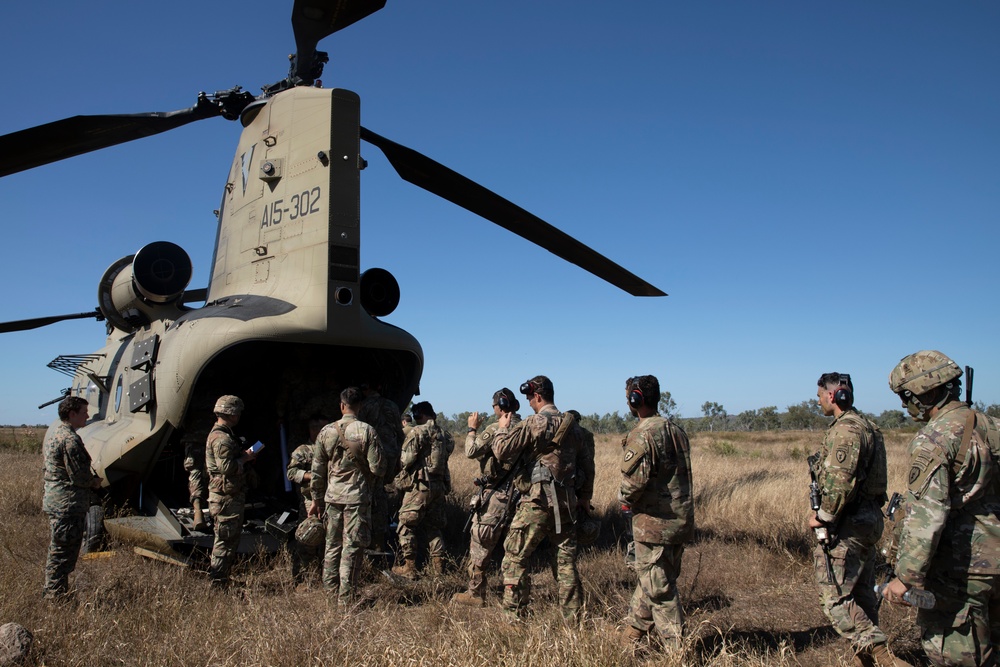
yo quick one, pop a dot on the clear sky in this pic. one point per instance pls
(816, 185)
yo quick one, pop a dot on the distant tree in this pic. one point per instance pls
(892, 419)
(768, 419)
(993, 410)
(667, 405)
(714, 414)
(806, 416)
(745, 420)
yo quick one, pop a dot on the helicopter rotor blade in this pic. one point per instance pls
(312, 20)
(76, 135)
(35, 323)
(452, 186)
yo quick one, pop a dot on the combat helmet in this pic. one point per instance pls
(228, 405)
(311, 532)
(922, 372)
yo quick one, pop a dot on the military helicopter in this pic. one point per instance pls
(289, 316)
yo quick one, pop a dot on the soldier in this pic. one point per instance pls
(850, 470)
(382, 414)
(69, 482)
(407, 420)
(492, 506)
(656, 485)
(347, 463)
(299, 472)
(425, 480)
(227, 485)
(548, 451)
(950, 542)
(193, 442)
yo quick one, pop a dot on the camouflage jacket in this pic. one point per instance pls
(424, 459)
(223, 451)
(347, 459)
(656, 482)
(567, 464)
(851, 472)
(383, 415)
(69, 478)
(298, 465)
(479, 447)
(951, 525)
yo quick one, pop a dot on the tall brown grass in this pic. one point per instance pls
(747, 586)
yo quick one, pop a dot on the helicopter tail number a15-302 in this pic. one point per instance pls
(289, 317)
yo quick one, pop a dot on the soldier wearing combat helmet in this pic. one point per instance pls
(224, 459)
(950, 542)
(851, 472)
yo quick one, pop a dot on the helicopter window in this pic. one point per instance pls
(118, 393)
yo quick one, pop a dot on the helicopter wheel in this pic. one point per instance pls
(93, 533)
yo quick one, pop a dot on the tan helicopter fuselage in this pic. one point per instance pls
(284, 315)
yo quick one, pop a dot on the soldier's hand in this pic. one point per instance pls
(504, 420)
(314, 510)
(474, 420)
(894, 590)
(814, 522)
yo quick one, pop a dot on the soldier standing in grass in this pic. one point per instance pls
(491, 512)
(656, 485)
(69, 482)
(227, 485)
(851, 473)
(425, 480)
(347, 463)
(548, 450)
(950, 543)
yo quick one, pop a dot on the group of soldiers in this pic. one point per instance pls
(537, 480)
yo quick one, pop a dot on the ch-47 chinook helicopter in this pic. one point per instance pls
(288, 315)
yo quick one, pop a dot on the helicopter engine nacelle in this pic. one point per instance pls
(144, 286)
(379, 292)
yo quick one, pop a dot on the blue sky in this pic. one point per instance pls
(816, 185)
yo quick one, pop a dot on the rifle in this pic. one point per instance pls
(968, 385)
(885, 571)
(815, 500)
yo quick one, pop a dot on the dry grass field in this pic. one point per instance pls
(746, 585)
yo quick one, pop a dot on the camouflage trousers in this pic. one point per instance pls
(66, 531)
(963, 628)
(655, 601)
(421, 510)
(194, 465)
(227, 516)
(348, 532)
(532, 523)
(488, 525)
(849, 601)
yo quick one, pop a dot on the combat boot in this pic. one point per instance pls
(877, 655)
(199, 516)
(631, 638)
(408, 569)
(469, 599)
(437, 566)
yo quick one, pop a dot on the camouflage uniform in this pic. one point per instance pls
(425, 480)
(383, 415)
(227, 487)
(489, 520)
(950, 544)
(298, 465)
(656, 484)
(69, 480)
(852, 475)
(347, 461)
(550, 489)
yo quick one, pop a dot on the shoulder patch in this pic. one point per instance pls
(841, 455)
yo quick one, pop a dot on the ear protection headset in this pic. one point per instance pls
(503, 402)
(635, 397)
(528, 388)
(844, 397)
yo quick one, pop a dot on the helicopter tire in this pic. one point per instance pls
(93, 533)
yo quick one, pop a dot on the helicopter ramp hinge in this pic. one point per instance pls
(144, 353)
